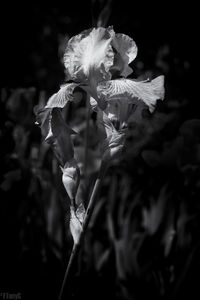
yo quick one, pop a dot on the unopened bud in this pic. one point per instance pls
(75, 225)
(71, 178)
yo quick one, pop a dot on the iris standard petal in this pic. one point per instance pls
(90, 52)
(126, 52)
(62, 97)
(147, 91)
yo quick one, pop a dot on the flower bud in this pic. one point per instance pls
(71, 178)
(75, 225)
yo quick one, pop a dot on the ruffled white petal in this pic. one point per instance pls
(147, 91)
(126, 52)
(89, 54)
(62, 97)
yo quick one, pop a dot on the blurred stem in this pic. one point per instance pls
(90, 208)
(86, 135)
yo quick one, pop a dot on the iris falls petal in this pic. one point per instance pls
(147, 91)
(62, 97)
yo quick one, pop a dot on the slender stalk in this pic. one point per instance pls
(90, 208)
(86, 135)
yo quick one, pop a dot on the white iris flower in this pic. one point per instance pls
(93, 60)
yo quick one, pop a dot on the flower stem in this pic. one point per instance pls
(90, 208)
(86, 134)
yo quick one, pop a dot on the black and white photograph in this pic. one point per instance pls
(99, 151)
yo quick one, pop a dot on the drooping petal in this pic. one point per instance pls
(146, 91)
(56, 132)
(43, 117)
(62, 97)
(60, 140)
(89, 54)
(126, 52)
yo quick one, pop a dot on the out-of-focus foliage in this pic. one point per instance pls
(143, 238)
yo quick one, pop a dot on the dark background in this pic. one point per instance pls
(33, 260)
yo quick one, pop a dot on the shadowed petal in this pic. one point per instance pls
(104, 124)
(43, 117)
(118, 110)
(56, 132)
(111, 140)
(112, 146)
